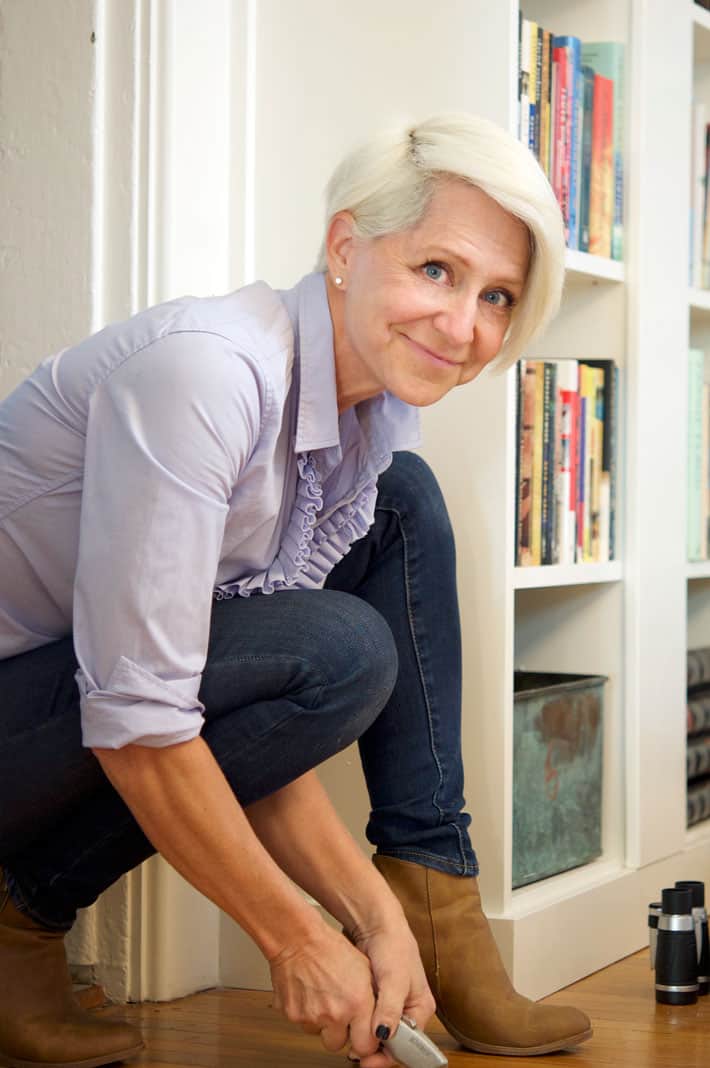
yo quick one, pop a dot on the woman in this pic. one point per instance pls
(214, 575)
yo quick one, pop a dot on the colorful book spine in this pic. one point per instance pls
(561, 164)
(533, 86)
(573, 49)
(538, 92)
(545, 101)
(581, 471)
(536, 509)
(525, 445)
(524, 81)
(602, 168)
(568, 404)
(607, 58)
(586, 160)
(609, 454)
(549, 466)
(588, 393)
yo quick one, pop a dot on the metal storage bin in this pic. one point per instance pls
(557, 773)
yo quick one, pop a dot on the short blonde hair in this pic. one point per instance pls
(386, 184)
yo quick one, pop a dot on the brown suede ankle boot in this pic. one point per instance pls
(475, 999)
(40, 1023)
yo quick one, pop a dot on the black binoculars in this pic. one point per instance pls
(680, 952)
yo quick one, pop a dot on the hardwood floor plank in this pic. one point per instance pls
(238, 1028)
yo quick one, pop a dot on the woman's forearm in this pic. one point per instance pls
(186, 808)
(304, 834)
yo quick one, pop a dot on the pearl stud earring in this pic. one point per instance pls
(338, 280)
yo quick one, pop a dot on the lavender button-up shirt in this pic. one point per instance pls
(193, 451)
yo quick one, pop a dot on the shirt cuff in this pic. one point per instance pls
(139, 708)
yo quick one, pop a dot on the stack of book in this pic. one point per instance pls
(698, 758)
(567, 414)
(698, 457)
(571, 115)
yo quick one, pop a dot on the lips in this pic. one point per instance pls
(443, 360)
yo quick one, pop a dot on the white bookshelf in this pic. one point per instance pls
(627, 619)
(529, 578)
(582, 263)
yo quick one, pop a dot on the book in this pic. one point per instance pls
(588, 433)
(586, 158)
(566, 495)
(696, 375)
(607, 58)
(536, 487)
(698, 757)
(698, 669)
(538, 92)
(602, 169)
(610, 433)
(698, 711)
(573, 49)
(525, 446)
(561, 149)
(546, 101)
(698, 807)
(533, 68)
(524, 81)
(549, 464)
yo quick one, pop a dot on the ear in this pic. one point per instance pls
(339, 241)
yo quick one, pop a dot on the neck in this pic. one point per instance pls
(351, 381)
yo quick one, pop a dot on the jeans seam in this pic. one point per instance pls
(412, 851)
(415, 645)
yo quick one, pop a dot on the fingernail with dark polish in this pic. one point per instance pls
(383, 1032)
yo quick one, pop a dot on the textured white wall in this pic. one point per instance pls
(46, 91)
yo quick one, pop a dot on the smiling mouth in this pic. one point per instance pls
(430, 353)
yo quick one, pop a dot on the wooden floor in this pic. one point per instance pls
(238, 1028)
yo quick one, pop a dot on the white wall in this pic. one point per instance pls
(46, 99)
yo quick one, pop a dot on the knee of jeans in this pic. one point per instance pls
(366, 663)
(413, 487)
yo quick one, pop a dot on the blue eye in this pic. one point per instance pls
(504, 298)
(434, 271)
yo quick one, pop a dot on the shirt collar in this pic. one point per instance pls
(317, 425)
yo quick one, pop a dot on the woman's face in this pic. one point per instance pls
(424, 310)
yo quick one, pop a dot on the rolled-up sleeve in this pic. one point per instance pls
(168, 433)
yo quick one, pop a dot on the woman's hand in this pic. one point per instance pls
(326, 986)
(400, 982)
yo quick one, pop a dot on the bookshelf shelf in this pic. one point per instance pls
(699, 300)
(593, 267)
(698, 569)
(551, 575)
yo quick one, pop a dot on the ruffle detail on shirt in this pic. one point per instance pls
(309, 550)
(295, 551)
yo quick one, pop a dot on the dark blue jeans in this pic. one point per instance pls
(290, 679)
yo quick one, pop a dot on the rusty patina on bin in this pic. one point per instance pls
(557, 773)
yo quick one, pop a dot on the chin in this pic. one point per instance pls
(422, 395)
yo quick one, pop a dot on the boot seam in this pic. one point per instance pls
(433, 931)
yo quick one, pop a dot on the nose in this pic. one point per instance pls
(457, 319)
